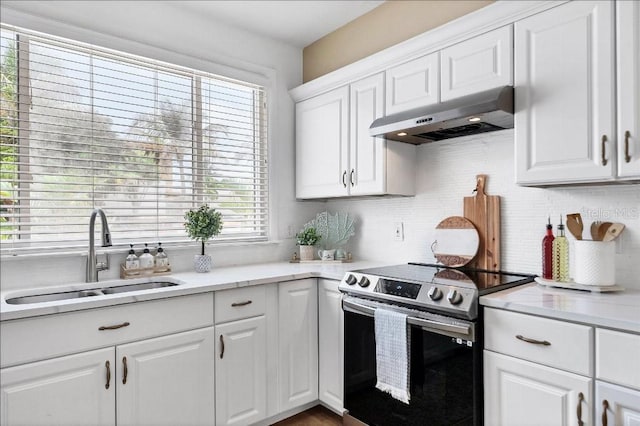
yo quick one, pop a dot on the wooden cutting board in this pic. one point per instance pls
(484, 212)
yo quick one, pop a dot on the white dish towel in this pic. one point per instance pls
(392, 354)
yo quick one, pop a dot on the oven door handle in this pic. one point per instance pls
(453, 330)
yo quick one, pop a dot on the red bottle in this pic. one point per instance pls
(547, 253)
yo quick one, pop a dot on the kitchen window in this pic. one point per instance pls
(84, 127)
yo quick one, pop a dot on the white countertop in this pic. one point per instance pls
(189, 283)
(618, 310)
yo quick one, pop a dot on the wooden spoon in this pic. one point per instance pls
(594, 230)
(613, 232)
(602, 229)
(574, 223)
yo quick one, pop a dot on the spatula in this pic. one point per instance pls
(613, 231)
(594, 230)
(574, 223)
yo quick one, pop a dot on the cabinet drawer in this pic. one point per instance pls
(48, 336)
(618, 357)
(570, 345)
(240, 303)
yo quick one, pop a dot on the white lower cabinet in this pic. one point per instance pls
(298, 342)
(167, 380)
(617, 405)
(241, 367)
(147, 363)
(330, 344)
(161, 381)
(537, 371)
(71, 390)
(519, 392)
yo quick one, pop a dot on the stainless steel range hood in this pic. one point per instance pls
(478, 113)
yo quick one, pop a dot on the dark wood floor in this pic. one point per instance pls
(316, 416)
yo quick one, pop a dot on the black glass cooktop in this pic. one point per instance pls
(423, 273)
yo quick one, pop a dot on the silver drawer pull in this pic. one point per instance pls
(245, 303)
(114, 327)
(534, 341)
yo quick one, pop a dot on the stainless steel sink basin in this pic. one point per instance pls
(136, 287)
(52, 297)
(66, 295)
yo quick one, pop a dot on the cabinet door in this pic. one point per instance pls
(298, 342)
(628, 32)
(71, 390)
(413, 84)
(167, 380)
(523, 393)
(616, 405)
(241, 366)
(322, 131)
(564, 59)
(481, 63)
(330, 344)
(367, 153)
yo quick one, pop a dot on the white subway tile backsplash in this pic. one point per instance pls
(446, 174)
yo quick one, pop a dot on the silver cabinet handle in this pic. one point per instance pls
(627, 136)
(221, 347)
(351, 177)
(534, 341)
(245, 303)
(344, 179)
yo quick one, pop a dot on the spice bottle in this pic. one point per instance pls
(132, 261)
(561, 255)
(146, 259)
(547, 252)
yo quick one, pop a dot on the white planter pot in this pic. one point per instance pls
(306, 252)
(202, 263)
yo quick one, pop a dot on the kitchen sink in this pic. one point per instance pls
(66, 295)
(52, 297)
(136, 287)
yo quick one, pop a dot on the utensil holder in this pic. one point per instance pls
(595, 262)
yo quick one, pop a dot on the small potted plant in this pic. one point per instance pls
(201, 225)
(307, 238)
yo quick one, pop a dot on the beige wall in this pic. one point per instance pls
(388, 24)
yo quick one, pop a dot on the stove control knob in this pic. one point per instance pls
(435, 294)
(364, 282)
(351, 280)
(454, 297)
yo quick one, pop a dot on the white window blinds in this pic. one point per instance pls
(85, 128)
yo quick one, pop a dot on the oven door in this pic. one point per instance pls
(445, 372)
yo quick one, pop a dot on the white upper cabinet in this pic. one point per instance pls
(481, 63)
(564, 79)
(322, 145)
(628, 75)
(336, 157)
(413, 84)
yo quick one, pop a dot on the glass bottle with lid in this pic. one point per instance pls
(561, 255)
(162, 260)
(146, 259)
(132, 261)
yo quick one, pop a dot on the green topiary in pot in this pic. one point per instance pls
(306, 239)
(201, 225)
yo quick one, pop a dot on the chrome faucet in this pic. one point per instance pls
(93, 266)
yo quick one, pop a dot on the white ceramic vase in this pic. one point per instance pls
(306, 252)
(202, 263)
